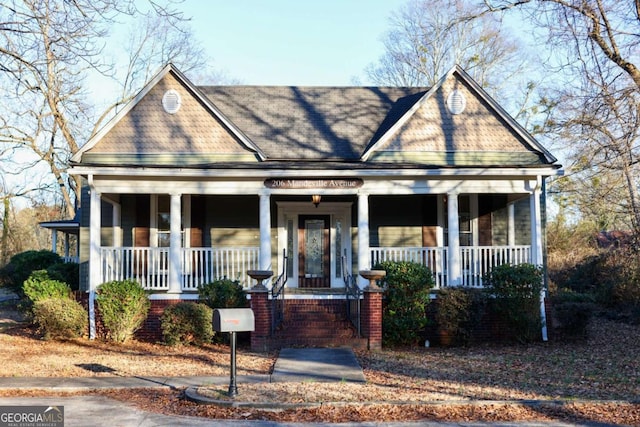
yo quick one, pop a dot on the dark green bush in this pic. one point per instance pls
(60, 318)
(407, 288)
(23, 264)
(223, 293)
(574, 318)
(516, 289)
(461, 312)
(187, 323)
(124, 306)
(452, 311)
(67, 272)
(573, 311)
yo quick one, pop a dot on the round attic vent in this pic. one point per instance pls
(171, 101)
(456, 102)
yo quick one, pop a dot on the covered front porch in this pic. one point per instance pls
(174, 243)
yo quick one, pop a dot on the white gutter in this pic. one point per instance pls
(298, 173)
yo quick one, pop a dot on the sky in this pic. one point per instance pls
(292, 42)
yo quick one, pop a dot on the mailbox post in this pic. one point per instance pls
(233, 320)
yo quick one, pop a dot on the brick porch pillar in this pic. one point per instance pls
(372, 317)
(262, 313)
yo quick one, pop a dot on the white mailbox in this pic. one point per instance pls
(233, 320)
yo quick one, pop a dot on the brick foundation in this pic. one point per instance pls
(324, 311)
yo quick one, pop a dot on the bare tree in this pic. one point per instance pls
(428, 37)
(594, 58)
(48, 49)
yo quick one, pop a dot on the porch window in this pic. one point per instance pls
(465, 221)
(163, 222)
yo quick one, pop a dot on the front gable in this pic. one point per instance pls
(482, 134)
(189, 131)
(311, 127)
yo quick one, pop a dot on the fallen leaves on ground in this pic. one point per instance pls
(571, 382)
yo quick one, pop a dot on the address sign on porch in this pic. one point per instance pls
(313, 183)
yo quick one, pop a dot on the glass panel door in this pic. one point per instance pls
(314, 262)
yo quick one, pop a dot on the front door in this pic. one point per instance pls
(314, 261)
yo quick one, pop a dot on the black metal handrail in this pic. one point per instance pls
(277, 295)
(352, 293)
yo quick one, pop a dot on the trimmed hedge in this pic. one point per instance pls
(124, 306)
(187, 323)
(60, 318)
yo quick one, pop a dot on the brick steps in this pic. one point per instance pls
(316, 323)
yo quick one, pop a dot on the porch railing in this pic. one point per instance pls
(475, 262)
(204, 265)
(352, 292)
(277, 295)
(150, 266)
(479, 260)
(147, 266)
(434, 258)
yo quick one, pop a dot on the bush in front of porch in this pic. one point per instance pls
(223, 293)
(187, 323)
(514, 290)
(124, 306)
(407, 287)
(49, 304)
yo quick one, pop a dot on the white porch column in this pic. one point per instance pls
(511, 234)
(117, 219)
(54, 240)
(265, 232)
(175, 245)
(536, 225)
(66, 245)
(94, 239)
(364, 255)
(536, 245)
(455, 271)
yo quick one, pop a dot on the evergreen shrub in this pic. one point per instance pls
(124, 306)
(407, 287)
(223, 293)
(23, 264)
(40, 286)
(516, 289)
(67, 272)
(60, 318)
(187, 323)
(574, 312)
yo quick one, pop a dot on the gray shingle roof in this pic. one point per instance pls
(312, 123)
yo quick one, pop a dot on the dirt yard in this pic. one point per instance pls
(596, 380)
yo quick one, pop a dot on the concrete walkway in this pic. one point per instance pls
(317, 364)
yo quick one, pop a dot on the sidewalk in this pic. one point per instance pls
(91, 383)
(293, 365)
